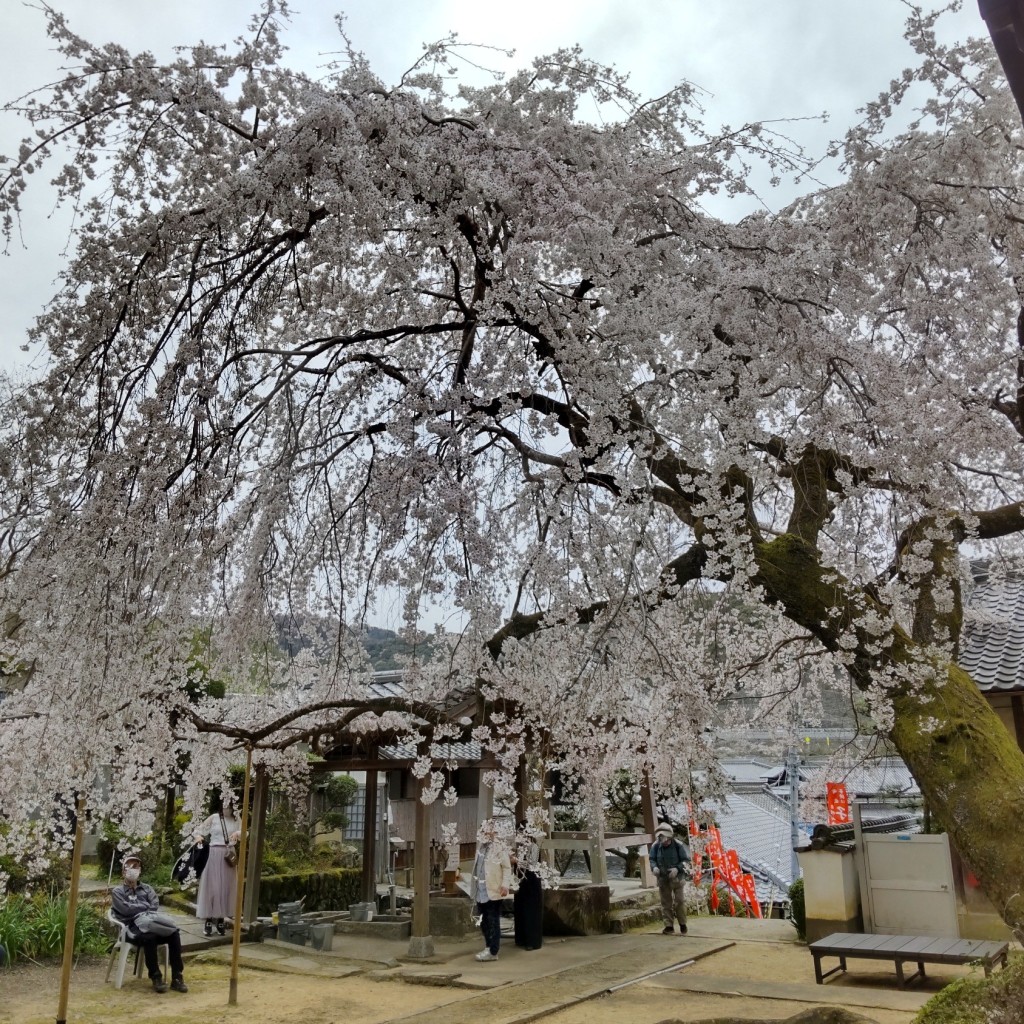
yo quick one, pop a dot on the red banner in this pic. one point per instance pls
(713, 848)
(733, 871)
(750, 895)
(837, 801)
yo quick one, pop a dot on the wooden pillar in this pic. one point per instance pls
(522, 786)
(254, 862)
(370, 838)
(421, 944)
(647, 806)
(650, 816)
(485, 799)
(1017, 706)
(598, 861)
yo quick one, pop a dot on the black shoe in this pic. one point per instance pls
(682, 929)
(668, 931)
(159, 985)
(220, 926)
(178, 984)
(207, 927)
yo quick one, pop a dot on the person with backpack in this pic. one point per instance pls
(670, 859)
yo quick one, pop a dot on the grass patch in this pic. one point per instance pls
(32, 928)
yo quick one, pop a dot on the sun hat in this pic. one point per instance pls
(664, 829)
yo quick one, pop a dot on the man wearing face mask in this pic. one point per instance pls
(670, 862)
(136, 904)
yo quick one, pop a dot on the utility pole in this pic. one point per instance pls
(793, 778)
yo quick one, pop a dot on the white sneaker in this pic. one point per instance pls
(486, 954)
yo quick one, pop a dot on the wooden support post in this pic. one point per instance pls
(647, 804)
(650, 814)
(485, 799)
(522, 787)
(598, 860)
(69, 927)
(421, 944)
(369, 884)
(254, 861)
(236, 931)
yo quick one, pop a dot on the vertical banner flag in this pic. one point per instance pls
(837, 801)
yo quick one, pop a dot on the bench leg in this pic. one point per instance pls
(904, 981)
(820, 977)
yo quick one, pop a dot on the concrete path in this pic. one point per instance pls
(521, 987)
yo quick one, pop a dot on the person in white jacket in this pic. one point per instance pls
(492, 876)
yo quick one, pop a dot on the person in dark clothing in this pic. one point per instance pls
(131, 903)
(528, 902)
(669, 859)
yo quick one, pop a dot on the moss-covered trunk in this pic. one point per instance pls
(969, 768)
(971, 772)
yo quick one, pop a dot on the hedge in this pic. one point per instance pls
(324, 890)
(798, 909)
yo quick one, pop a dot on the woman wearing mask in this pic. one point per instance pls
(216, 900)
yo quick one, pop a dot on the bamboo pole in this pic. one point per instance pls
(236, 931)
(69, 928)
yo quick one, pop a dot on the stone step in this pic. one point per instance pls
(637, 899)
(621, 921)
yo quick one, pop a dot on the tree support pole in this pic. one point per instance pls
(236, 932)
(69, 928)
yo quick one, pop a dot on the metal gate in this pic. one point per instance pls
(907, 885)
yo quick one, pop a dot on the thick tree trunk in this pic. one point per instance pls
(969, 768)
(971, 772)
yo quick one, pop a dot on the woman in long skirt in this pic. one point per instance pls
(216, 900)
(528, 902)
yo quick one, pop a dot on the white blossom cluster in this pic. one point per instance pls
(325, 338)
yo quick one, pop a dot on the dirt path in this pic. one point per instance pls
(762, 976)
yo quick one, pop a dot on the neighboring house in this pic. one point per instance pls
(754, 819)
(992, 644)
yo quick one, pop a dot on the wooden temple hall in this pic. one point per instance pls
(402, 838)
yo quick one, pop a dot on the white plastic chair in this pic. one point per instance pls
(122, 947)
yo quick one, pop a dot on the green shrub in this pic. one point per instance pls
(323, 890)
(995, 1000)
(32, 928)
(798, 908)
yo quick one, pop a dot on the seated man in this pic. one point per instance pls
(132, 902)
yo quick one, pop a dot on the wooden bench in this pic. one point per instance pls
(915, 949)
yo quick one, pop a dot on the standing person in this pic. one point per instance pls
(134, 904)
(216, 899)
(492, 876)
(669, 857)
(528, 902)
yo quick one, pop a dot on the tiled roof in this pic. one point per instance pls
(758, 829)
(992, 642)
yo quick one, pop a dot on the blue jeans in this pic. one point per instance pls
(490, 924)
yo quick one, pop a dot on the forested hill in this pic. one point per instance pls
(386, 649)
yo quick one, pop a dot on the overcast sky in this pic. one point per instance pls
(755, 60)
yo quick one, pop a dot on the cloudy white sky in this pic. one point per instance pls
(755, 60)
